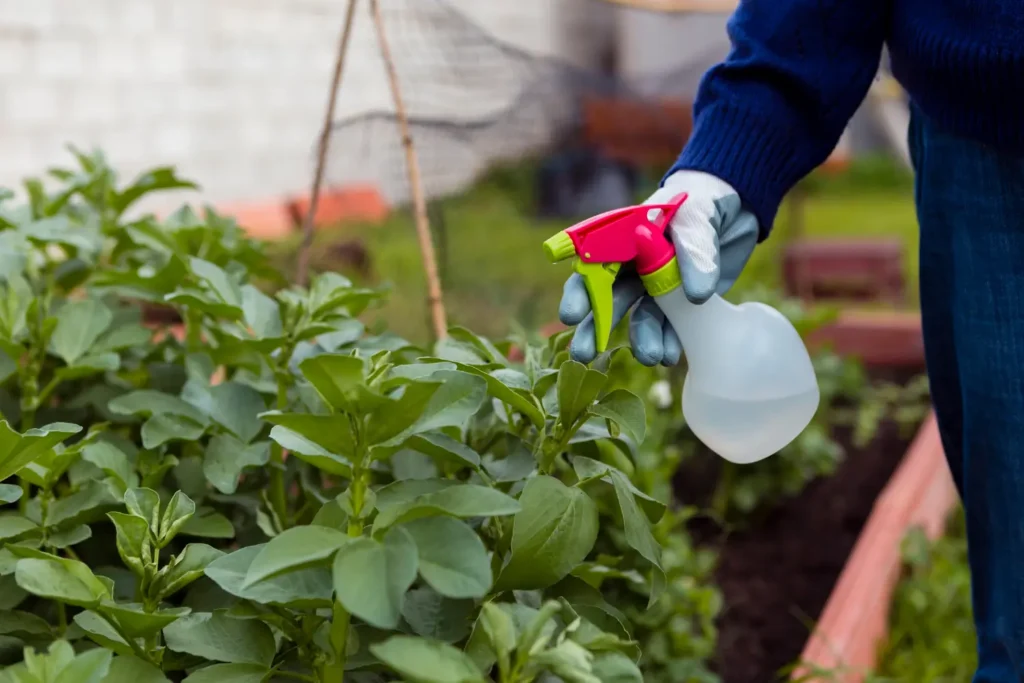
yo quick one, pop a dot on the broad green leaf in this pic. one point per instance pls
(69, 537)
(445, 448)
(394, 420)
(399, 492)
(184, 568)
(13, 526)
(161, 429)
(637, 527)
(626, 410)
(18, 450)
(261, 313)
(60, 579)
(221, 638)
(153, 180)
(414, 372)
(134, 543)
(79, 325)
(463, 501)
(410, 464)
(346, 331)
(226, 458)
(236, 407)
(568, 660)
(7, 366)
(102, 633)
(180, 509)
(136, 622)
(432, 615)
(122, 337)
(339, 380)
(221, 284)
(85, 506)
(22, 625)
(578, 387)
(112, 461)
(331, 515)
(588, 468)
(483, 346)
(615, 667)
(330, 433)
(307, 588)
(517, 465)
(229, 673)
(126, 669)
(148, 403)
(427, 406)
(145, 503)
(297, 548)
(588, 602)
(207, 523)
(554, 532)
(9, 493)
(452, 558)
(419, 660)
(88, 667)
(371, 577)
(519, 400)
(88, 366)
(500, 630)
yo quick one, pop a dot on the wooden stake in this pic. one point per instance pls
(434, 298)
(308, 227)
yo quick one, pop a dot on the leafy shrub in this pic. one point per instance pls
(931, 635)
(272, 492)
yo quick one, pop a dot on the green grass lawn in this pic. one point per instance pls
(494, 272)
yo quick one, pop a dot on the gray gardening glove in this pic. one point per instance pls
(713, 235)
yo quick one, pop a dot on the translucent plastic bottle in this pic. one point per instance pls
(750, 387)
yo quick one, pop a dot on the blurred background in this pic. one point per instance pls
(525, 115)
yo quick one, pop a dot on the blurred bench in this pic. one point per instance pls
(846, 270)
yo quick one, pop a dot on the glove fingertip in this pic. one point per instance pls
(646, 338)
(582, 348)
(673, 347)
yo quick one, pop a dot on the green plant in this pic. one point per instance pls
(931, 636)
(368, 510)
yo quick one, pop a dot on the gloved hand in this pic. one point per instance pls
(713, 236)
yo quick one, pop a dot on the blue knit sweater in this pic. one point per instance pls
(798, 69)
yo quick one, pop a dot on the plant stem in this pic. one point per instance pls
(341, 619)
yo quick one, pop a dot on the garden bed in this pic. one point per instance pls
(777, 573)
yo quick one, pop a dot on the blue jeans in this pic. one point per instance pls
(970, 205)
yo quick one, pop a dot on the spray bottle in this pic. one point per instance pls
(750, 387)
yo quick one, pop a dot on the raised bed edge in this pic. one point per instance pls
(854, 622)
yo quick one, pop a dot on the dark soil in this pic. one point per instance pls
(777, 576)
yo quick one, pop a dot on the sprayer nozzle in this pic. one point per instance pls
(559, 247)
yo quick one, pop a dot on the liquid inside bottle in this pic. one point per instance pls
(750, 387)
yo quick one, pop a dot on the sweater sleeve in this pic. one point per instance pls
(776, 107)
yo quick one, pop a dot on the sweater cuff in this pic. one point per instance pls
(760, 159)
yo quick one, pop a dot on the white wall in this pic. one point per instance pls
(232, 91)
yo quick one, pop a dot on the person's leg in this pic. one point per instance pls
(970, 201)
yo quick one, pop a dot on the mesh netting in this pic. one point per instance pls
(474, 100)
